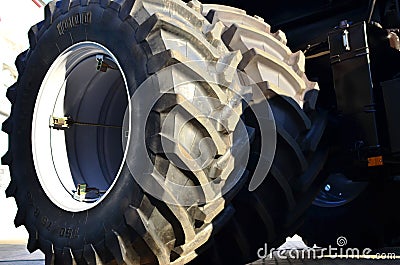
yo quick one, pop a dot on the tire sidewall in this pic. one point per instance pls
(43, 218)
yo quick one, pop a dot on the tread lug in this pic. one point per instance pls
(19, 217)
(126, 9)
(105, 3)
(214, 33)
(281, 36)
(294, 146)
(33, 242)
(89, 255)
(32, 36)
(196, 6)
(48, 249)
(12, 93)
(303, 182)
(129, 255)
(136, 219)
(64, 6)
(113, 246)
(162, 60)
(283, 182)
(7, 158)
(11, 189)
(20, 62)
(7, 126)
(49, 10)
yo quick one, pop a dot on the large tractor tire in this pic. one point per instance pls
(264, 217)
(85, 61)
(70, 176)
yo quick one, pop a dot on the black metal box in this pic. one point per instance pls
(350, 60)
(391, 95)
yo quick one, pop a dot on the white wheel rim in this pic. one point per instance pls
(89, 154)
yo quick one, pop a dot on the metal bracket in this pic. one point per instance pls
(88, 194)
(104, 63)
(60, 123)
(80, 193)
(346, 42)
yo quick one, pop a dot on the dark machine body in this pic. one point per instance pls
(352, 51)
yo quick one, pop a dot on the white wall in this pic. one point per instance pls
(16, 17)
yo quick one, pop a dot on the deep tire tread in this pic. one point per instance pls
(7, 158)
(11, 190)
(149, 35)
(20, 217)
(12, 93)
(285, 185)
(112, 244)
(33, 242)
(138, 239)
(7, 126)
(291, 142)
(146, 221)
(278, 204)
(89, 255)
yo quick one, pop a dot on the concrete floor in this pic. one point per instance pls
(17, 254)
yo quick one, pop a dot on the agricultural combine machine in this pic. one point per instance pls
(172, 132)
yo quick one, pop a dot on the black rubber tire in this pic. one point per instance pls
(276, 208)
(129, 225)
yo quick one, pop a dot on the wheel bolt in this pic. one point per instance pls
(327, 187)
